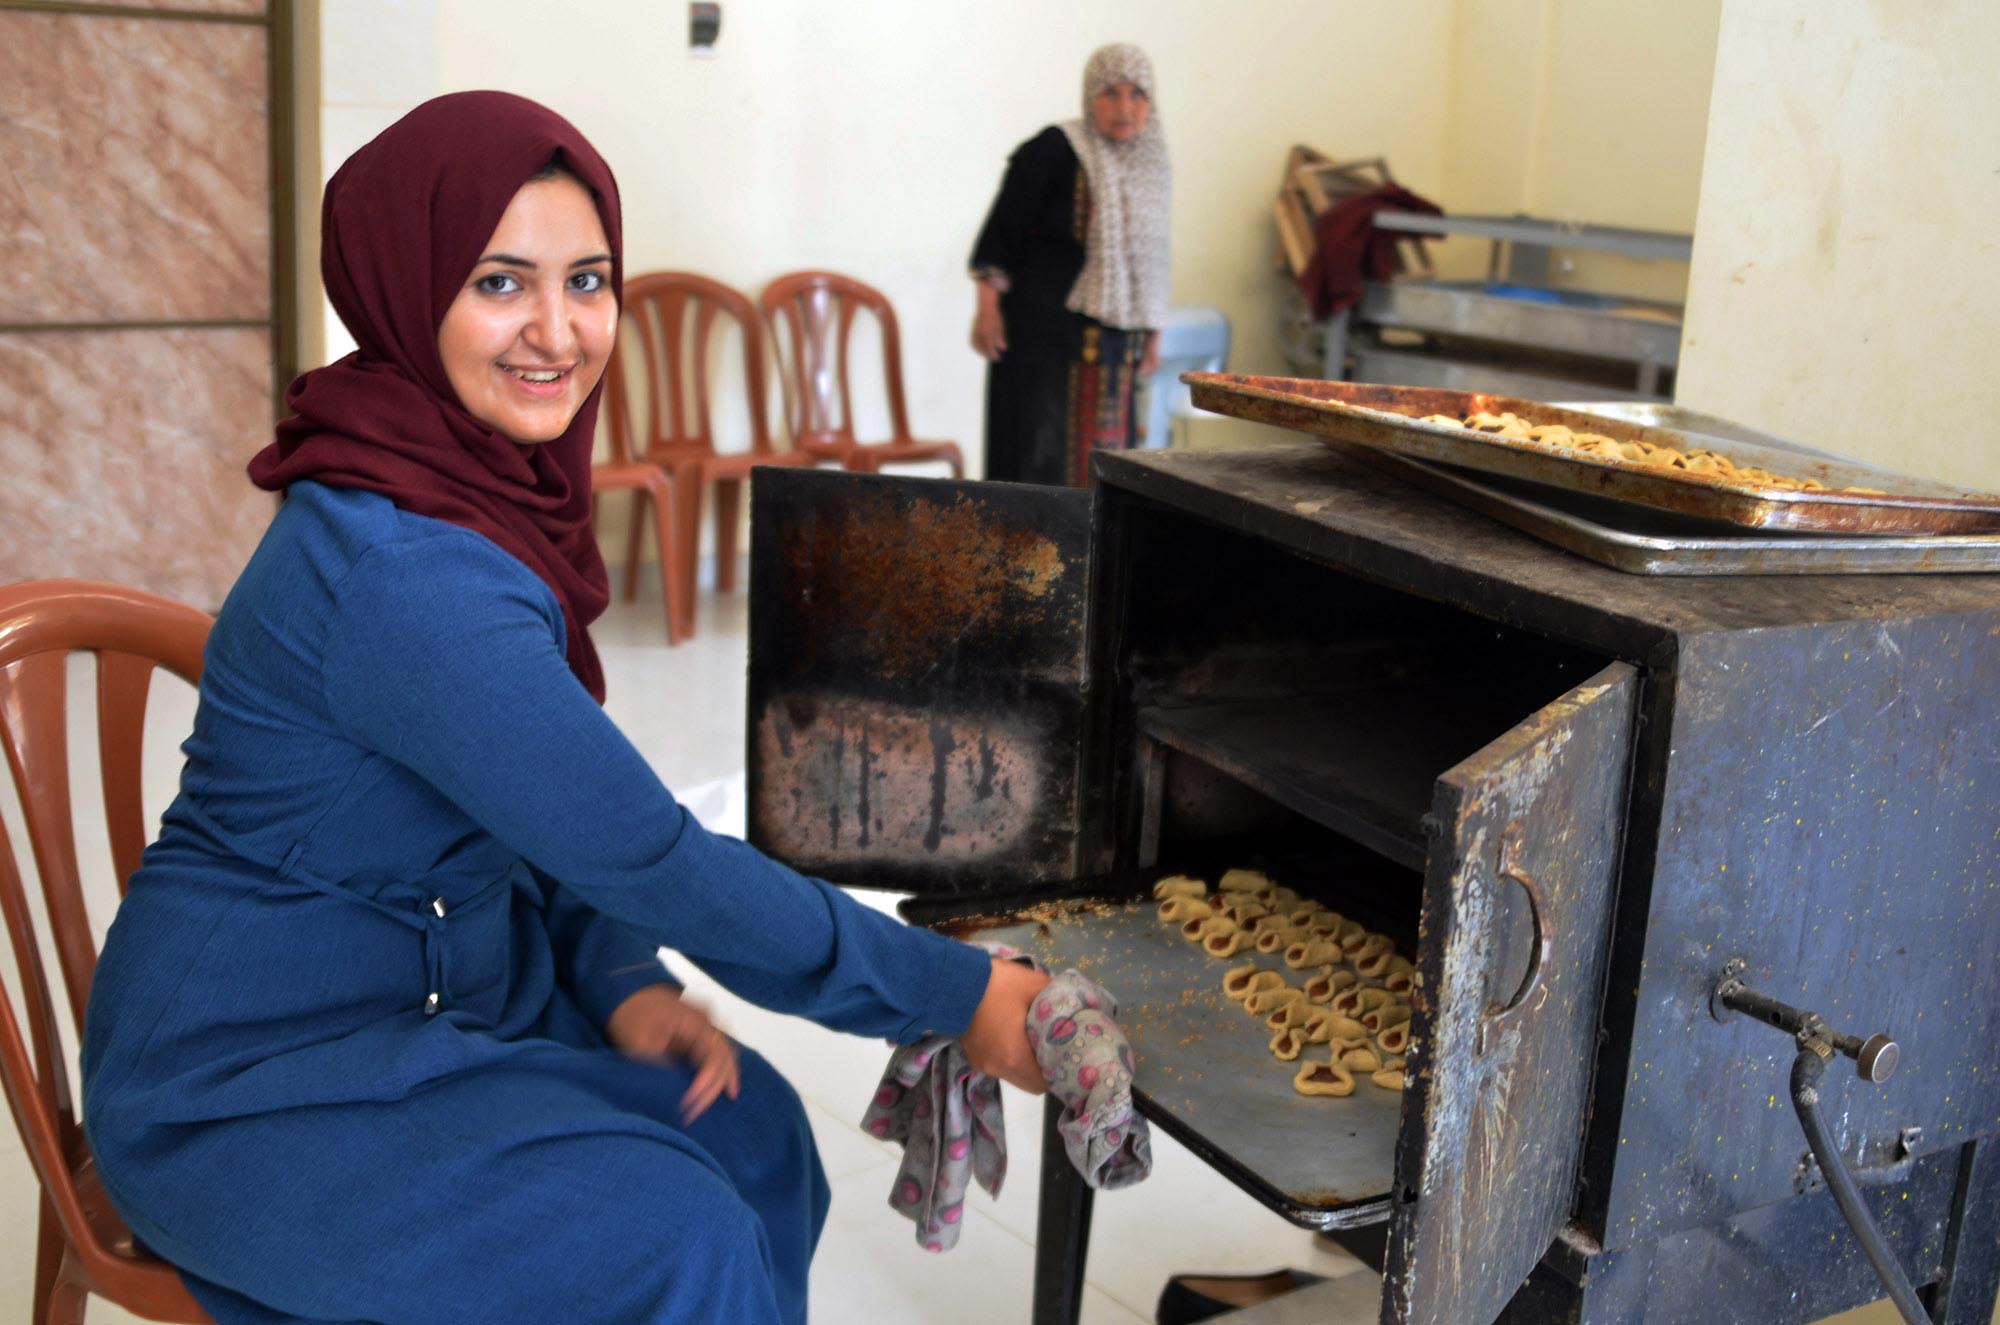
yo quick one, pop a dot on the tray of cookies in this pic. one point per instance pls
(1734, 482)
(1269, 1030)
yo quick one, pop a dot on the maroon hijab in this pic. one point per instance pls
(403, 223)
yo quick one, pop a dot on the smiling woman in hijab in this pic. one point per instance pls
(380, 1032)
(1071, 271)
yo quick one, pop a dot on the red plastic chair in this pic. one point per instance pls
(651, 485)
(672, 315)
(811, 314)
(83, 1247)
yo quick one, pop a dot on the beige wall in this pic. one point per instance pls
(1588, 110)
(378, 58)
(1846, 276)
(870, 138)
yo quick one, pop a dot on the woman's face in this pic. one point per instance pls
(531, 330)
(1120, 111)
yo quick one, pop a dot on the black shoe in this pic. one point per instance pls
(1191, 1297)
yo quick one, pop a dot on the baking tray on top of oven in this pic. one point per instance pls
(1205, 1073)
(1644, 542)
(1854, 499)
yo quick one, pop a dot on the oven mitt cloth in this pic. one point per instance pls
(1087, 1062)
(947, 1116)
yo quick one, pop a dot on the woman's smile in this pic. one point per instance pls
(541, 383)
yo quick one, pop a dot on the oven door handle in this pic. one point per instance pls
(1500, 1016)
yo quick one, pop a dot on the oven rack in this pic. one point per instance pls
(1205, 1072)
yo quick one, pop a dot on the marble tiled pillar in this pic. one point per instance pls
(123, 456)
(135, 301)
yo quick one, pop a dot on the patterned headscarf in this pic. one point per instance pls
(1125, 268)
(404, 220)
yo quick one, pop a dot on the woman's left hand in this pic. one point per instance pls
(656, 1024)
(1149, 362)
(996, 1042)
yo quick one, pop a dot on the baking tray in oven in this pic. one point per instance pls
(1659, 543)
(1391, 418)
(1205, 1072)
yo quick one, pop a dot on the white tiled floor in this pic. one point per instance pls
(684, 709)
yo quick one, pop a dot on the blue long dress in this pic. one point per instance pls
(343, 1059)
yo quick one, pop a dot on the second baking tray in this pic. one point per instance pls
(1391, 418)
(1205, 1071)
(1655, 543)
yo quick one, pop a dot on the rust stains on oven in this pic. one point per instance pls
(916, 684)
(906, 582)
(869, 777)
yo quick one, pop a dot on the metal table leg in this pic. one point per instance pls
(1062, 1229)
(1966, 1292)
(1333, 358)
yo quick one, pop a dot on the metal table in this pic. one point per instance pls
(1510, 333)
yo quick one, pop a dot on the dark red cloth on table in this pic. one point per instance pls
(403, 223)
(1348, 250)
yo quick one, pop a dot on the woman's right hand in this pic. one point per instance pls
(989, 331)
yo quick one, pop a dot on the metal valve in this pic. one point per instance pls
(1875, 1058)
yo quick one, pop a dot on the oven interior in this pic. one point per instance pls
(1263, 710)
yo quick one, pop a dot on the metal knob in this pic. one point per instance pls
(1876, 1062)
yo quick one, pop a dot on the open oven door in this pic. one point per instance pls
(1517, 908)
(916, 687)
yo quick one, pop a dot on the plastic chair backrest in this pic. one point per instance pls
(811, 314)
(42, 622)
(669, 316)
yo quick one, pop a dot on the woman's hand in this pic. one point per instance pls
(996, 1042)
(989, 331)
(657, 1025)
(1149, 361)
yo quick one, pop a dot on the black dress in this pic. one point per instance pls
(1065, 385)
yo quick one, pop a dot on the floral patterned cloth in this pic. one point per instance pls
(948, 1116)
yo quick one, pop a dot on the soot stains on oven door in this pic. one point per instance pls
(1517, 906)
(916, 688)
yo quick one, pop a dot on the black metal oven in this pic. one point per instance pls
(1574, 797)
